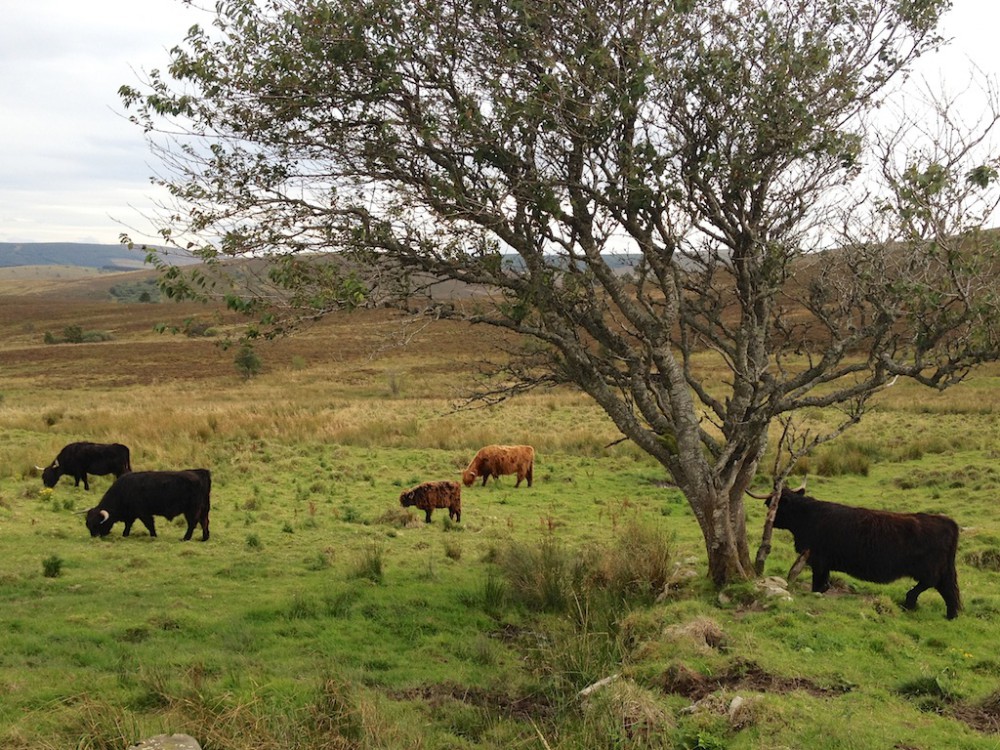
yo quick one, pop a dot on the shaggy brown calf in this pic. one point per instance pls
(431, 495)
(873, 545)
(494, 460)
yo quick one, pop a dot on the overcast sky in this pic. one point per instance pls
(72, 169)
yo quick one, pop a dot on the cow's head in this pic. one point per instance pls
(407, 499)
(98, 522)
(468, 477)
(50, 474)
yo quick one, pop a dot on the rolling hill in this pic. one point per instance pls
(104, 257)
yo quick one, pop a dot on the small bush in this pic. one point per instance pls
(370, 563)
(248, 363)
(625, 715)
(636, 567)
(985, 559)
(399, 517)
(73, 334)
(538, 574)
(847, 458)
(52, 566)
(319, 561)
(336, 712)
(494, 595)
(76, 335)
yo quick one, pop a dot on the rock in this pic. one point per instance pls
(736, 705)
(168, 742)
(774, 587)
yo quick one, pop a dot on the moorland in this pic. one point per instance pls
(320, 614)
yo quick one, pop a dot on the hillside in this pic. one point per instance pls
(109, 257)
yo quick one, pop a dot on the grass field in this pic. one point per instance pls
(323, 615)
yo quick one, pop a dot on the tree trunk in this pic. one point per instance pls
(725, 539)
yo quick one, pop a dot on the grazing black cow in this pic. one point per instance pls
(873, 545)
(144, 494)
(79, 459)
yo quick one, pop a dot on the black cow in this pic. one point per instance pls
(79, 459)
(144, 494)
(873, 545)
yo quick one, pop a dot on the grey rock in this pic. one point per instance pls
(168, 742)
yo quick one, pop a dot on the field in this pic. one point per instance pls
(322, 615)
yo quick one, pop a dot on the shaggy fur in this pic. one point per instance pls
(431, 495)
(874, 545)
(77, 460)
(144, 494)
(494, 460)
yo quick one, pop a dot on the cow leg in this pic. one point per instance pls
(204, 527)
(149, 523)
(948, 588)
(427, 514)
(485, 477)
(531, 470)
(821, 575)
(128, 526)
(520, 476)
(949, 592)
(86, 484)
(911, 596)
(192, 522)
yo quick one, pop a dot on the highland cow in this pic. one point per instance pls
(495, 460)
(873, 545)
(431, 495)
(144, 494)
(77, 460)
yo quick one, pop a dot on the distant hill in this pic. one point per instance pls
(105, 257)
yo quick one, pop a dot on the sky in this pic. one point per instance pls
(73, 169)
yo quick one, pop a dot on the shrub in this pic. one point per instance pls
(73, 334)
(844, 458)
(637, 566)
(986, 559)
(545, 577)
(494, 595)
(537, 574)
(52, 566)
(370, 563)
(248, 362)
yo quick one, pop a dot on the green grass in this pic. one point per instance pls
(323, 615)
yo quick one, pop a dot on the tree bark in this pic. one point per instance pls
(725, 539)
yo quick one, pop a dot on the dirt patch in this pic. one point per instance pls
(983, 717)
(740, 675)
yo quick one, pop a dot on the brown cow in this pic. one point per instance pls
(431, 495)
(495, 460)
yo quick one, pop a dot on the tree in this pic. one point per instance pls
(247, 361)
(712, 147)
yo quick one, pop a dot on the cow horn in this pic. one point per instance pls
(39, 468)
(105, 516)
(758, 497)
(801, 487)
(55, 464)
